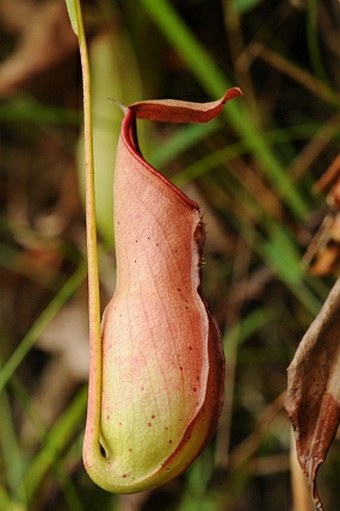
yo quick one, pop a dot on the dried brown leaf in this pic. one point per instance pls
(16, 16)
(45, 42)
(313, 393)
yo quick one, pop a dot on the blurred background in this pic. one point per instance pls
(271, 253)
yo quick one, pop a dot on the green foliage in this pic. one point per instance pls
(242, 6)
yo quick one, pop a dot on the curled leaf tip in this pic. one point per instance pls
(161, 368)
(176, 111)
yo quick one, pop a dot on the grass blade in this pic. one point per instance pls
(37, 328)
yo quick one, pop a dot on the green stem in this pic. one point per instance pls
(91, 232)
